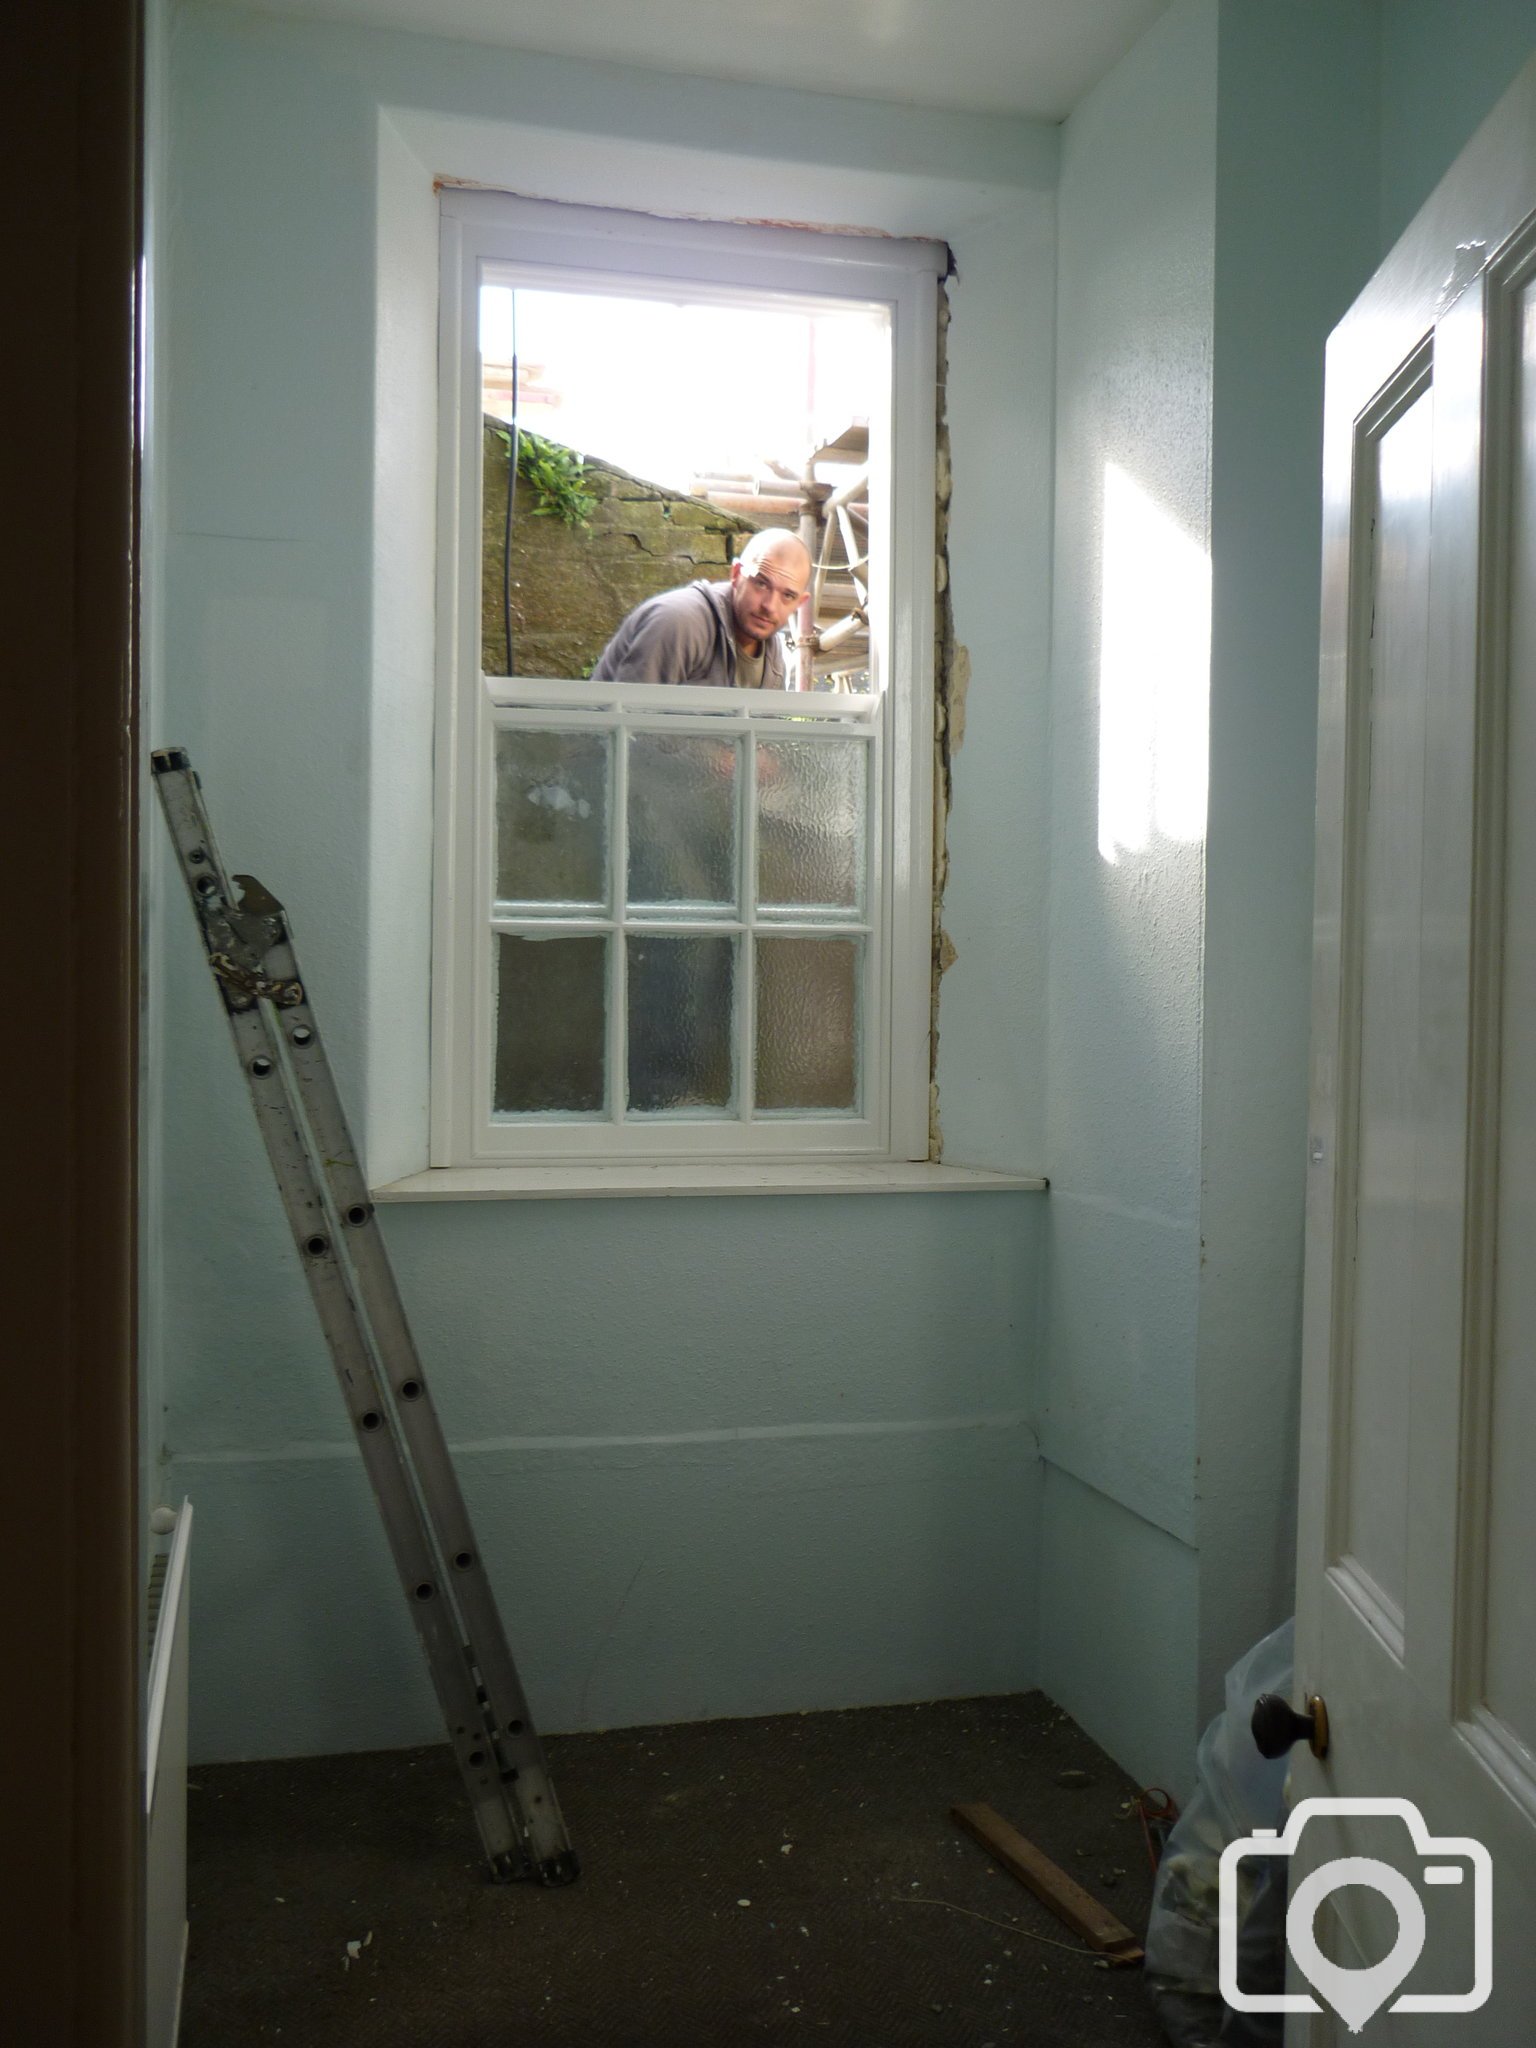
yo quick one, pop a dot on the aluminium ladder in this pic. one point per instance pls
(250, 950)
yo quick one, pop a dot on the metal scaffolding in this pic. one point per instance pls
(831, 514)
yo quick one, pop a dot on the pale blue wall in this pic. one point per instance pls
(1225, 194)
(1336, 119)
(1117, 1407)
(1443, 64)
(1217, 213)
(672, 1416)
(725, 1456)
(1295, 240)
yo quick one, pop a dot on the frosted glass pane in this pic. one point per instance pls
(552, 817)
(808, 1023)
(681, 995)
(682, 822)
(810, 822)
(551, 1009)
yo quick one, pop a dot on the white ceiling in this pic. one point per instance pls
(985, 56)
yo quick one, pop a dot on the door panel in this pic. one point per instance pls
(1416, 1601)
(1387, 905)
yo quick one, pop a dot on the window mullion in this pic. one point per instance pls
(543, 927)
(618, 965)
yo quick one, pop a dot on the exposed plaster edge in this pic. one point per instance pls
(444, 182)
(951, 679)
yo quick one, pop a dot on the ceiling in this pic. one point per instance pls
(1033, 57)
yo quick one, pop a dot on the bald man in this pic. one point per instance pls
(716, 632)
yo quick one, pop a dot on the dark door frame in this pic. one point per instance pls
(71, 150)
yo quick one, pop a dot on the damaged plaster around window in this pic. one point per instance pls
(951, 680)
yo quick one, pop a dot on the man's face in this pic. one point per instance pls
(764, 594)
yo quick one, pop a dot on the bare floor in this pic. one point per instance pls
(795, 1879)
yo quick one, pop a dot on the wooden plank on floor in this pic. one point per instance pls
(1077, 1908)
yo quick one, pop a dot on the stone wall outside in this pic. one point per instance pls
(571, 586)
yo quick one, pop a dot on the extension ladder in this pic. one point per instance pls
(250, 950)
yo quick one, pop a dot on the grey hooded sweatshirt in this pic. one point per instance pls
(683, 636)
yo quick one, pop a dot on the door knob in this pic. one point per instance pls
(1276, 1725)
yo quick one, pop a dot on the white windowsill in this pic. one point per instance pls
(772, 1177)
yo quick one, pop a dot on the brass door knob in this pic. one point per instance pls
(1276, 1725)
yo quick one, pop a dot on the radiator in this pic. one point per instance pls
(165, 1789)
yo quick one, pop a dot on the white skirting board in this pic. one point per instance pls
(165, 1798)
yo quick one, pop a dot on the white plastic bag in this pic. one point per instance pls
(1236, 1790)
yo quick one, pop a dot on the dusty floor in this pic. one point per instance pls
(792, 1879)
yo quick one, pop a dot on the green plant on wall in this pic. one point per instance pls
(556, 475)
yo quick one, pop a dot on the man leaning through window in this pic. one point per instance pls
(716, 632)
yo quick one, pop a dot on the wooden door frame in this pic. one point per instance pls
(70, 1961)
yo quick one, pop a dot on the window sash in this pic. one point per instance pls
(642, 708)
(748, 264)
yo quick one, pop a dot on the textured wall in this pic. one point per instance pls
(1295, 240)
(1443, 64)
(742, 1499)
(728, 1456)
(1117, 1601)
(1322, 106)
(992, 1036)
(1130, 669)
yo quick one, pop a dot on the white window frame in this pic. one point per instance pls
(633, 253)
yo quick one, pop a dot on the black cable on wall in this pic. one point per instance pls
(506, 540)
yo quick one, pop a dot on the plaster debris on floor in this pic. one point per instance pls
(690, 1926)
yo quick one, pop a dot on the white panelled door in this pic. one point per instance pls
(1416, 1602)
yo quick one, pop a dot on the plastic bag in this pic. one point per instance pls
(1236, 1791)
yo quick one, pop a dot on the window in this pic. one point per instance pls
(680, 921)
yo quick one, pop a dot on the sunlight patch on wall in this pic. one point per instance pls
(1154, 674)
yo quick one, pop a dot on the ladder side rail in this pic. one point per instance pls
(416, 1416)
(423, 1576)
(257, 1034)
